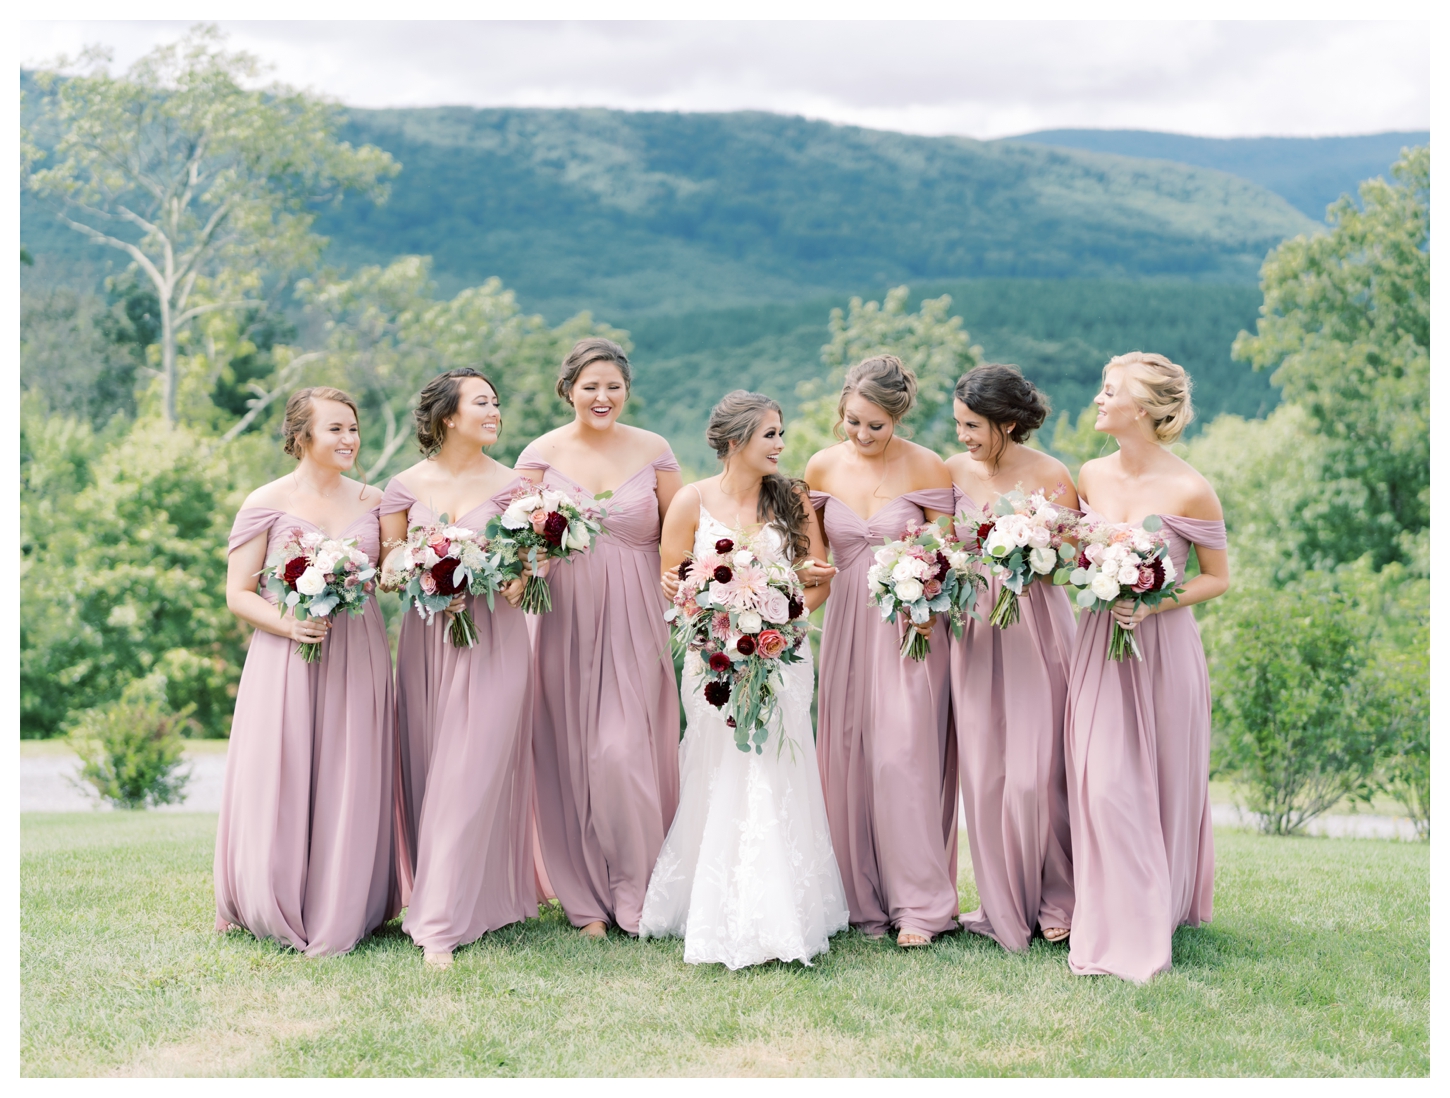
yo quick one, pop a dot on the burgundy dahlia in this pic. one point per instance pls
(723, 574)
(684, 569)
(554, 526)
(443, 576)
(293, 572)
(719, 661)
(943, 566)
(1160, 576)
(717, 693)
(745, 646)
(724, 545)
(983, 530)
(794, 607)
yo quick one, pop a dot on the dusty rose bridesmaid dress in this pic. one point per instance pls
(1137, 739)
(887, 757)
(606, 710)
(1009, 688)
(304, 847)
(464, 721)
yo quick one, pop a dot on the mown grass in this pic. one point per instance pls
(1316, 964)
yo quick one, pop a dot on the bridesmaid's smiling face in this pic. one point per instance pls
(599, 394)
(984, 440)
(867, 425)
(334, 432)
(1118, 413)
(761, 455)
(479, 416)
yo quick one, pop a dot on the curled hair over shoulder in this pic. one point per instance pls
(297, 419)
(586, 351)
(882, 380)
(1160, 387)
(736, 419)
(437, 401)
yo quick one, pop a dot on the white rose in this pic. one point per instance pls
(743, 558)
(885, 556)
(748, 621)
(1047, 512)
(1105, 586)
(905, 569)
(326, 561)
(515, 517)
(1170, 573)
(1021, 531)
(1042, 561)
(1039, 537)
(999, 542)
(1094, 552)
(908, 590)
(312, 582)
(1128, 575)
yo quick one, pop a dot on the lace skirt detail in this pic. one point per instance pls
(747, 874)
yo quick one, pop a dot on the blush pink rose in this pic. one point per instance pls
(429, 585)
(537, 519)
(931, 589)
(770, 643)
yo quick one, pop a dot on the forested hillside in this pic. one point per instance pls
(1059, 331)
(1311, 172)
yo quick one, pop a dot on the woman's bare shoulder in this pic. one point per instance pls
(273, 494)
(821, 463)
(927, 466)
(1199, 500)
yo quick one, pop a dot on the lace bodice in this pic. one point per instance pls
(768, 542)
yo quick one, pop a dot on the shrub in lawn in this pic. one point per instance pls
(1395, 701)
(1289, 701)
(130, 748)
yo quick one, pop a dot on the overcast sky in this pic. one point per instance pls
(976, 79)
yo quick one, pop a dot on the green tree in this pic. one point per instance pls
(123, 567)
(1287, 700)
(131, 748)
(930, 342)
(203, 182)
(1345, 325)
(387, 334)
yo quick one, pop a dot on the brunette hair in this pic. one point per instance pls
(297, 419)
(1000, 394)
(1161, 388)
(437, 401)
(586, 351)
(882, 380)
(736, 419)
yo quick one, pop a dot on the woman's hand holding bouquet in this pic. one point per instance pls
(317, 577)
(541, 525)
(440, 563)
(744, 616)
(1123, 564)
(1022, 540)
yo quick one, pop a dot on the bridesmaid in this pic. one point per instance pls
(463, 713)
(304, 847)
(1009, 686)
(606, 708)
(1137, 733)
(887, 757)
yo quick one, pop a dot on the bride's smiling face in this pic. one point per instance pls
(761, 455)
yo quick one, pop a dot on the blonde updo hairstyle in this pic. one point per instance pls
(586, 352)
(736, 419)
(1160, 387)
(297, 419)
(882, 380)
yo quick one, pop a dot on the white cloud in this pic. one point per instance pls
(979, 79)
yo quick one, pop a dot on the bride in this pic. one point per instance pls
(747, 874)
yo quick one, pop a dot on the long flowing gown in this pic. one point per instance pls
(304, 846)
(1009, 690)
(606, 708)
(888, 760)
(1137, 741)
(464, 725)
(746, 874)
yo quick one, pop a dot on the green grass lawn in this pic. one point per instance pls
(1316, 964)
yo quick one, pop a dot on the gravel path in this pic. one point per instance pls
(47, 785)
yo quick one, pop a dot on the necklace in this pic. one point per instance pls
(734, 502)
(885, 468)
(296, 479)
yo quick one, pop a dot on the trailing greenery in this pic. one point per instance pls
(130, 748)
(1317, 963)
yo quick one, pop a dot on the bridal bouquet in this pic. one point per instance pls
(914, 574)
(316, 576)
(541, 523)
(441, 561)
(746, 616)
(1021, 540)
(1119, 561)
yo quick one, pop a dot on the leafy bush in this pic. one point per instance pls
(130, 749)
(1288, 700)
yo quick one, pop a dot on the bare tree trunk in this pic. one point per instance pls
(168, 361)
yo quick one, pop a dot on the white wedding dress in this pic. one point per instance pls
(747, 874)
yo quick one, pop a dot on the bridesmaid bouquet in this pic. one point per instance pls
(541, 523)
(439, 562)
(914, 574)
(316, 576)
(1119, 561)
(1021, 540)
(746, 616)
